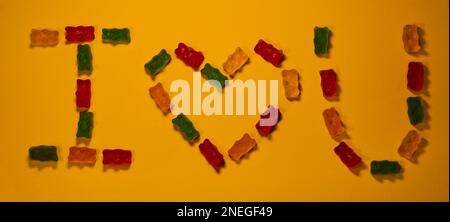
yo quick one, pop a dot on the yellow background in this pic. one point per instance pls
(298, 164)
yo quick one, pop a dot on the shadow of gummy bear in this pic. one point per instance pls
(422, 42)
(357, 170)
(389, 177)
(82, 140)
(116, 167)
(420, 150)
(426, 84)
(425, 125)
(40, 165)
(80, 165)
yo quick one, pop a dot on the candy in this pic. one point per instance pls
(83, 94)
(291, 84)
(411, 38)
(347, 155)
(241, 147)
(84, 57)
(410, 144)
(79, 34)
(43, 37)
(329, 84)
(212, 155)
(211, 73)
(235, 62)
(189, 56)
(157, 63)
(321, 35)
(385, 167)
(333, 122)
(161, 97)
(116, 157)
(85, 124)
(116, 36)
(269, 53)
(43, 153)
(416, 112)
(416, 77)
(266, 129)
(185, 126)
(82, 155)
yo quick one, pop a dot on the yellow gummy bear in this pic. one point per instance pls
(235, 62)
(291, 84)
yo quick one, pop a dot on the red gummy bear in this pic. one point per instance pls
(346, 154)
(83, 94)
(189, 56)
(212, 155)
(79, 34)
(416, 77)
(269, 53)
(328, 83)
(266, 130)
(116, 157)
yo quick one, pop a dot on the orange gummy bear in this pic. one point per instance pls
(43, 37)
(161, 97)
(333, 123)
(82, 155)
(241, 147)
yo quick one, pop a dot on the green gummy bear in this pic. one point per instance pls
(321, 40)
(116, 36)
(385, 167)
(182, 123)
(84, 57)
(85, 124)
(211, 73)
(416, 112)
(157, 63)
(43, 153)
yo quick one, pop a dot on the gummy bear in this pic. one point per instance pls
(416, 111)
(84, 57)
(291, 84)
(82, 155)
(116, 157)
(189, 56)
(43, 37)
(212, 155)
(267, 129)
(211, 73)
(43, 153)
(83, 94)
(410, 144)
(333, 123)
(385, 167)
(161, 97)
(157, 63)
(416, 77)
(186, 127)
(235, 62)
(321, 35)
(79, 34)
(411, 39)
(116, 36)
(85, 124)
(329, 84)
(269, 53)
(347, 155)
(241, 147)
